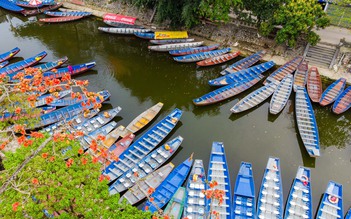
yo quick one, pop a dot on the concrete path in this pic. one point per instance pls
(333, 34)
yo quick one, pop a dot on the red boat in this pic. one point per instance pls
(41, 10)
(218, 59)
(314, 85)
(60, 19)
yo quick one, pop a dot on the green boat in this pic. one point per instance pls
(175, 206)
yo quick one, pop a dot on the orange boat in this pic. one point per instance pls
(314, 84)
(218, 59)
(60, 19)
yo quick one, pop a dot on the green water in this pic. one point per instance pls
(138, 78)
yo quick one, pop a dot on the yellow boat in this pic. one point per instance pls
(159, 35)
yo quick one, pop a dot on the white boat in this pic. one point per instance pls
(173, 46)
(122, 30)
(281, 95)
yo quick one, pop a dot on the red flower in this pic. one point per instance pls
(84, 160)
(18, 110)
(101, 178)
(35, 181)
(15, 205)
(44, 155)
(95, 160)
(52, 158)
(80, 151)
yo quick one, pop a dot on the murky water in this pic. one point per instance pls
(138, 79)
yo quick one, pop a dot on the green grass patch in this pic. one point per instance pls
(339, 16)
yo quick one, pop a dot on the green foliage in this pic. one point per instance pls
(340, 15)
(217, 9)
(262, 10)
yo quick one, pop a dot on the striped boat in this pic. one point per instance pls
(201, 56)
(281, 95)
(306, 122)
(102, 131)
(244, 63)
(332, 92)
(4, 63)
(153, 180)
(68, 100)
(173, 46)
(169, 41)
(67, 13)
(60, 19)
(141, 147)
(117, 30)
(300, 76)
(242, 75)
(331, 206)
(343, 102)
(174, 209)
(8, 5)
(314, 85)
(121, 25)
(147, 165)
(146, 36)
(226, 92)
(41, 10)
(41, 100)
(299, 203)
(196, 202)
(169, 186)
(23, 64)
(287, 68)
(76, 69)
(244, 198)
(270, 198)
(188, 51)
(254, 98)
(218, 59)
(28, 5)
(348, 215)
(218, 171)
(8, 55)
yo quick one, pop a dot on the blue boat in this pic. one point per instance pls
(42, 67)
(343, 102)
(147, 36)
(23, 64)
(169, 186)
(5, 4)
(299, 203)
(76, 69)
(244, 63)
(226, 92)
(286, 69)
(69, 111)
(144, 145)
(195, 201)
(348, 215)
(331, 206)
(4, 63)
(66, 101)
(201, 56)
(244, 198)
(218, 171)
(41, 100)
(103, 131)
(332, 92)
(270, 198)
(7, 55)
(306, 122)
(243, 75)
(26, 4)
(67, 13)
(193, 50)
(146, 166)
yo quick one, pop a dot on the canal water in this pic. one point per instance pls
(138, 78)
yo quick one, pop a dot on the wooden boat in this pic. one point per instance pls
(102, 131)
(41, 100)
(201, 56)
(112, 137)
(23, 64)
(146, 36)
(331, 206)
(169, 41)
(41, 10)
(174, 209)
(144, 118)
(218, 171)
(196, 202)
(218, 59)
(254, 98)
(117, 30)
(348, 215)
(242, 75)
(173, 46)
(60, 19)
(343, 102)
(147, 165)
(270, 198)
(244, 63)
(226, 92)
(3, 64)
(299, 202)
(306, 122)
(28, 5)
(68, 100)
(169, 186)
(76, 69)
(121, 25)
(193, 50)
(300, 76)
(153, 180)
(5, 4)
(67, 13)
(68, 112)
(287, 68)
(141, 147)
(8, 55)
(314, 85)
(96, 122)
(332, 92)
(281, 95)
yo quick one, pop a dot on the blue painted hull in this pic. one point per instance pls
(201, 56)
(5, 4)
(3, 64)
(331, 205)
(287, 68)
(67, 13)
(343, 102)
(332, 92)
(7, 55)
(76, 69)
(148, 36)
(23, 64)
(348, 215)
(189, 51)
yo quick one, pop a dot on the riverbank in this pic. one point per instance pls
(234, 34)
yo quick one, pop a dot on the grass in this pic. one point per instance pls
(339, 16)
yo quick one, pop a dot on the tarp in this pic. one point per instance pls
(119, 18)
(159, 35)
